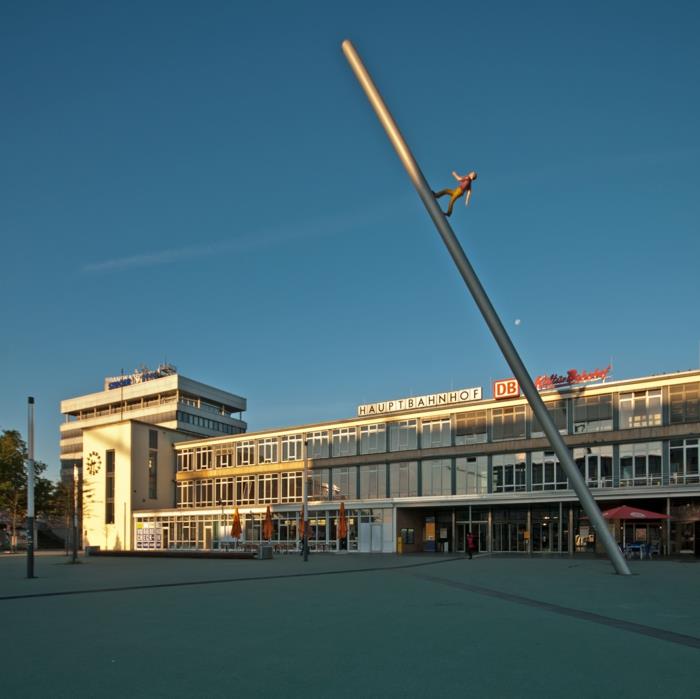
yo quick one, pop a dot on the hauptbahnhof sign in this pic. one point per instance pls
(433, 400)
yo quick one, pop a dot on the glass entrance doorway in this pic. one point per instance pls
(545, 530)
(479, 530)
(509, 530)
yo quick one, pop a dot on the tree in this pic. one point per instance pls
(13, 481)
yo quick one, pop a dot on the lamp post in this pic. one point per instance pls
(484, 304)
(30, 487)
(305, 501)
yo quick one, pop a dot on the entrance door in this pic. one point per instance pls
(365, 537)
(376, 538)
(461, 543)
(208, 536)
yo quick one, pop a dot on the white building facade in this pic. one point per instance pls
(425, 469)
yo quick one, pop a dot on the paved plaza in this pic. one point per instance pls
(349, 626)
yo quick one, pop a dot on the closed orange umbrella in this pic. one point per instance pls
(236, 527)
(302, 523)
(267, 525)
(342, 522)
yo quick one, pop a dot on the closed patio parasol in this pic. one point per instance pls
(627, 512)
(267, 525)
(302, 524)
(236, 527)
(342, 522)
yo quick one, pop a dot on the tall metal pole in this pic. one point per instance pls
(305, 501)
(487, 310)
(75, 514)
(30, 487)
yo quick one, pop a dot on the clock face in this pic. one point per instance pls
(93, 463)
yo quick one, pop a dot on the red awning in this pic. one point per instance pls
(627, 512)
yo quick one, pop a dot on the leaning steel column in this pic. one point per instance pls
(487, 310)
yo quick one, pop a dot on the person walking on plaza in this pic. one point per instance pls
(465, 185)
(471, 544)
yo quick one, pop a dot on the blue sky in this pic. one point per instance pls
(205, 183)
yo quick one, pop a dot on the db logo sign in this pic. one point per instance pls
(508, 388)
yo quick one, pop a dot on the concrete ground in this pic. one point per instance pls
(348, 626)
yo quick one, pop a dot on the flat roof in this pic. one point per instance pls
(552, 393)
(153, 387)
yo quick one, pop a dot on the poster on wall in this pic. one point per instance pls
(148, 537)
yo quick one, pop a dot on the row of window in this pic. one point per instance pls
(639, 465)
(207, 423)
(590, 414)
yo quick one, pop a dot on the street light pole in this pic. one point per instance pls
(30, 487)
(74, 496)
(487, 310)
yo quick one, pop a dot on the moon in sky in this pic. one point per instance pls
(517, 321)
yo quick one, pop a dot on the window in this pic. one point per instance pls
(223, 456)
(593, 414)
(640, 464)
(372, 481)
(267, 451)
(547, 473)
(184, 460)
(595, 465)
(344, 441)
(268, 485)
(153, 464)
(471, 475)
(640, 409)
(224, 491)
(436, 433)
(557, 411)
(372, 439)
(185, 493)
(684, 461)
(204, 493)
(202, 457)
(318, 445)
(508, 423)
(291, 486)
(685, 403)
(319, 484)
(471, 428)
(109, 486)
(403, 435)
(508, 472)
(245, 453)
(437, 477)
(345, 483)
(245, 490)
(403, 479)
(292, 448)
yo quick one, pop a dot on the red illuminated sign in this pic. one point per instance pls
(507, 388)
(571, 377)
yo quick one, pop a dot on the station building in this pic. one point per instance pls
(427, 469)
(131, 425)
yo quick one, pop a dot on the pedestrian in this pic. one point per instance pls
(471, 544)
(464, 185)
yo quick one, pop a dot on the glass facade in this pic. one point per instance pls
(465, 466)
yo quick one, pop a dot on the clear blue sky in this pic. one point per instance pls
(205, 183)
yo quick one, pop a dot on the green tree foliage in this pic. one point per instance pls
(13, 481)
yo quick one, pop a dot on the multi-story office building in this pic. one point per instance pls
(160, 397)
(427, 469)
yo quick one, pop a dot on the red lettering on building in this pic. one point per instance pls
(572, 376)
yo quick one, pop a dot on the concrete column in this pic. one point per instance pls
(571, 531)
